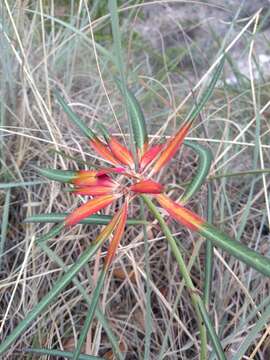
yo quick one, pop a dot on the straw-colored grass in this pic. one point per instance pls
(49, 44)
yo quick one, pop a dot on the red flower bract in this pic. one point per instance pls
(122, 181)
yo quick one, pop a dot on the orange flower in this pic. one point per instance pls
(121, 180)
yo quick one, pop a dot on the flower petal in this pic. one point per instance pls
(94, 190)
(117, 236)
(90, 177)
(147, 186)
(150, 155)
(171, 148)
(117, 170)
(120, 152)
(103, 150)
(180, 213)
(91, 207)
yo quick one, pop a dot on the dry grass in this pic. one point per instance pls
(39, 54)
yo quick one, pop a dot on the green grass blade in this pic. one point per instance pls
(195, 298)
(4, 225)
(211, 332)
(114, 342)
(237, 249)
(90, 314)
(47, 299)
(195, 111)
(96, 219)
(209, 252)
(64, 354)
(75, 119)
(121, 68)
(4, 186)
(205, 160)
(148, 310)
(253, 335)
(55, 230)
(103, 51)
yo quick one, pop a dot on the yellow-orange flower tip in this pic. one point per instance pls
(94, 190)
(91, 177)
(104, 151)
(177, 211)
(147, 186)
(118, 233)
(150, 155)
(89, 208)
(120, 152)
(171, 147)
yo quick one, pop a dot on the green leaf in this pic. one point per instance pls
(205, 160)
(137, 118)
(237, 249)
(90, 315)
(97, 219)
(63, 354)
(208, 92)
(65, 176)
(74, 117)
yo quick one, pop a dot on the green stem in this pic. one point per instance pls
(90, 315)
(148, 318)
(201, 312)
(209, 250)
(184, 272)
(101, 318)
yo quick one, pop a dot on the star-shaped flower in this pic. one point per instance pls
(122, 180)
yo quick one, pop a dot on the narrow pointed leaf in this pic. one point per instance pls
(90, 315)
(74, 117)
(52, 233)
(180, 213)
(171, 147)
(205, 160)
(89, 208)
(237, 249)
(147, 186)
(62, 354)
(137, 119)
(96, 219)
(218, 238)
(118, 233)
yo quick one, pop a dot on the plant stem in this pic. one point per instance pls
(195, 298)
(209, 251)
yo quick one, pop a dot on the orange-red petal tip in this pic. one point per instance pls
(89, 208)
(147, 186)
(180, 213)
